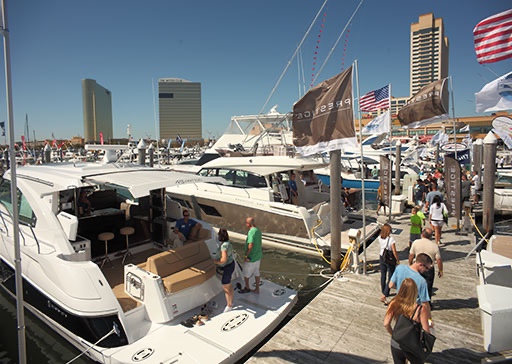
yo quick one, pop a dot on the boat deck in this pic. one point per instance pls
(344, 323)
(114, 273)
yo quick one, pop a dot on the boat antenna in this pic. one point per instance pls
(4, 30)
(292, 58)
(337, 41)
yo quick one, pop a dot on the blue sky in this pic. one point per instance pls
(236, 49)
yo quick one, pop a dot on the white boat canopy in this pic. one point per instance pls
(265, 165)
(136, 179)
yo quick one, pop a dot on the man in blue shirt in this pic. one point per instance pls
(187, 228)
(294, 194)
(421, 265)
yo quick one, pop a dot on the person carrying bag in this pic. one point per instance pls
(388, 260)
(410, 338)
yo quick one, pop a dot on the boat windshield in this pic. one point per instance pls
(236, 178)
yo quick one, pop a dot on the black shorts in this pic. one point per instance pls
(227, 272)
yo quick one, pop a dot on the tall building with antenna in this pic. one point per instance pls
(179, 108)
(429, 52)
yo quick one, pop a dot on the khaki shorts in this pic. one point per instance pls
(252, 269)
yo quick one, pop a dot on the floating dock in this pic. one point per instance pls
(344, 322)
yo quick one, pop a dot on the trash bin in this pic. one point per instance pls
(496, 313)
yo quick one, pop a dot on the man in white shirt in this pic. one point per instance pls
(475, 181)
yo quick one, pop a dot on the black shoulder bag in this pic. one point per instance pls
(411, 337)
(389, 257)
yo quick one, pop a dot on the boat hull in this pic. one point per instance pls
(231, 216)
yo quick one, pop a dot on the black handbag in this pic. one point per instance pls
(389, 257)
(411, 337)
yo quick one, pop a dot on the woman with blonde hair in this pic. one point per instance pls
(386, 242)
(405, 304)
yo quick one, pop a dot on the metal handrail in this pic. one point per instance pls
(21, 223)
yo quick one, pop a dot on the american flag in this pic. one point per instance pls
(493, 38)
(376, 99)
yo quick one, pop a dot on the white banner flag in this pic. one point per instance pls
(378, 125)
(496, 95)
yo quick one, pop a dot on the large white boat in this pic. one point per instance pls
(107, 280)
(257, 186)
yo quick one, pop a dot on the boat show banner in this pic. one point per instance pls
(323, 120)
(452, 186)
(385, 179)
(428, 106)
(463, 154)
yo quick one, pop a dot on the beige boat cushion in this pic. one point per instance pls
(183, 267)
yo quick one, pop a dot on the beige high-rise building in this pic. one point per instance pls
(97, 105)
(429, 52)
(179, 107)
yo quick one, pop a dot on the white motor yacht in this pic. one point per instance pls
(105, 275)
(257, 186)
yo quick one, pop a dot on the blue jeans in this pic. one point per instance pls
(386, 271)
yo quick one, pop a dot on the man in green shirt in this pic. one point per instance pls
(253, 255)
(416, 221)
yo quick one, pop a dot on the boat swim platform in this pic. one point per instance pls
(344, 322)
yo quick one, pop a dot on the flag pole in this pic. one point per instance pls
(363, 174)
(390, 198)
(453, 117)
(22, 357)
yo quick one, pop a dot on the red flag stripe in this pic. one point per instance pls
(493, 38)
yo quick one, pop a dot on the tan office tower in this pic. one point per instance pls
(179, 106)
(429, 52)
(97, 105)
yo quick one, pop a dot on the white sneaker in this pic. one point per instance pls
(228, 308)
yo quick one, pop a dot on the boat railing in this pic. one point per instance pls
(8, 213)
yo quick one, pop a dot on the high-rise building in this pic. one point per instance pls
(429, 52)
(179, 105)
(97, 105)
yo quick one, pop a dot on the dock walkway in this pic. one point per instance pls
(344, 322)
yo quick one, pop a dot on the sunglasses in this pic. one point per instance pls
(186, 215)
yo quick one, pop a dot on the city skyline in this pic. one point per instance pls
(237, 58)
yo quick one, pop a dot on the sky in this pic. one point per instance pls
(237, 50)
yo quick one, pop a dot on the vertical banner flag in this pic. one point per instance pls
(101, 138)
(385, 179)
(493, 38)
(496, 95)
(2, 125)
(323, 120)
(375, 100)
(452, 186)
(23, 143)
(428, 106)
(502, 125)
(378, 125)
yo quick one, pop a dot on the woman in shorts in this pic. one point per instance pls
(226, 261)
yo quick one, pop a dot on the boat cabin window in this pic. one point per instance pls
(25, 212)
(235, 177)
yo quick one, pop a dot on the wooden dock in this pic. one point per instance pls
(344, 323)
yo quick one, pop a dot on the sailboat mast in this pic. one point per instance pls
(4, 30)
